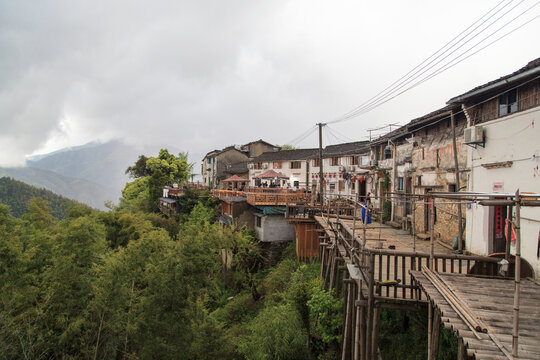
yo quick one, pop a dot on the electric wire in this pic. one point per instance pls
(420, 67)
(368, 106)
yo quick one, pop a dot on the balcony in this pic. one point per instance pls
(276, 197)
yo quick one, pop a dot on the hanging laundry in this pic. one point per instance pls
(513, 237)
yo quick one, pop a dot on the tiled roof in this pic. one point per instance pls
(286, 155)
(530, 70)
(357, 147)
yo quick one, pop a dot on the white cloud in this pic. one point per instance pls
(199, 75)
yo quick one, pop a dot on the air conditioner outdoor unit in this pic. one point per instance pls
(474, 135)
(265, 166)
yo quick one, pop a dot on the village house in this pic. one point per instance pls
(503, 156)
(218, 165)
(345, 169)
(291, 165)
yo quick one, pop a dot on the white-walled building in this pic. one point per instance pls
(345, 169)
(294, 164)
(503, 156)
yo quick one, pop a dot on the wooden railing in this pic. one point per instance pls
(277, 198)
(226, 193)
(310, 211)
(386, 273)
(272, 190)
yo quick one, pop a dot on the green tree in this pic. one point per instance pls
(157, 172)
(276, 333)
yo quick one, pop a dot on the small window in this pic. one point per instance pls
(334, 161)
(508, 102)
(419, 180)
(296, 184)
(257, 166)
(451, 187)
(277, 165)
(209, 160)
(316, 162)
(341, 185)
(423, 154)
(438, 158)
(332, 187)
(400, 184)
(388, 152)
(258, 221)
(295, 165)
(353, 160)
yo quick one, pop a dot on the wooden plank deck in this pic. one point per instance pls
(492, 301)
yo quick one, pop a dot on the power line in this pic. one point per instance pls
(419, 66)
(388, 94)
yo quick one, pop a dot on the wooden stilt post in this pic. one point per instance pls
(346, 328)
(435, 334)
(374, 335)
(517, 281)
(462, 351)
(362, 349)
(430, 325)
(432, 234)
(371, 302)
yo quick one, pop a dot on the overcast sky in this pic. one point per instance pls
(201, 74)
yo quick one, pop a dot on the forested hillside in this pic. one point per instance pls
(81, 190)
(131, 284)
(17, 194)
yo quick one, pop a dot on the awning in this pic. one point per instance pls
(235, 178)
(271, 174)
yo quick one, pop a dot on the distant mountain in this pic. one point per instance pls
(92, 173)
(104, 164)
(85, 191)
(16, 194)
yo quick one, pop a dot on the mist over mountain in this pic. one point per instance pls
(92, 173)
(103, 164)
(85, 191)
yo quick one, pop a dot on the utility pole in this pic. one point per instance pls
(456, 165)
(321, 180)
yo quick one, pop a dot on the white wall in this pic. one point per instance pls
(513, 138)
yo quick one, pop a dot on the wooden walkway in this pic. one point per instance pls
(491, 301)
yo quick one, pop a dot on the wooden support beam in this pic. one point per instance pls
(435, 334)
(375, 333)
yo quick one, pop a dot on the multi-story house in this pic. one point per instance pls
(503, 155)
(293, 165)
(345, 169)
(218, 165)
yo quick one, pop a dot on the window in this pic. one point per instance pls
(332, 187)
(400, 184)
(334, 161)
(277, 165)
(508, 102)
(295, 165)
(438, 158)
(209, 160)
(353, 160)
(257, 165)
(451, 187)
(316, 162)
(258, 221)
(419, 181)
(296, 183)
(388, 152)
(341, 185)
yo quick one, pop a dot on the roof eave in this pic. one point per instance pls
(462, 98)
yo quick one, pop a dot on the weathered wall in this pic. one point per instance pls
(275, 228)
(226, 158)
(513, 138)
